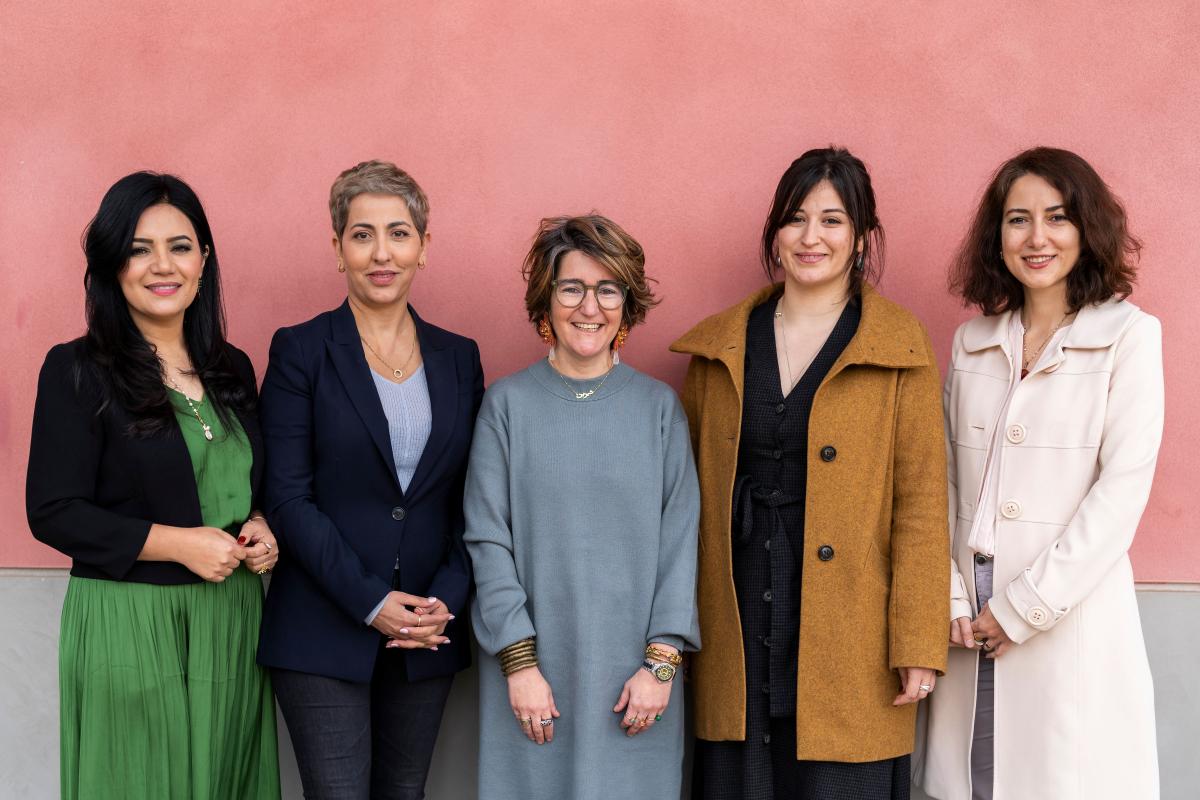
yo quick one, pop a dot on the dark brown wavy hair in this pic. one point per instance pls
(1108, 252)
(849, 177)
(599, 238)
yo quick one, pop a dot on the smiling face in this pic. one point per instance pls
(1039, 243)
(584, 333)
(381, 250)
(817, 247)
(162, 275)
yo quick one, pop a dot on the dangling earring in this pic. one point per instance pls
(778, 260)
(545, 331)
(199, 282)
(858, 262)
(619, 342)
(341, 266)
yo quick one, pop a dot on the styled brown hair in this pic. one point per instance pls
(850, 179)
(1108, 252)
(597, 237)
(376, 177)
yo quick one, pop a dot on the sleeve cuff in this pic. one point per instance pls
(960, 607)
(1015, 627)
(370, 618)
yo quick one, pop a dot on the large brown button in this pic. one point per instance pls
(828, 453)
(825, 552)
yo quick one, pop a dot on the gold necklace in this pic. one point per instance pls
(589, 392)
(1031, 360)
(208, 434)
(398, 373)
(787, 358)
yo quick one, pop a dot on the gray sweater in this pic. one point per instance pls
(582, 529)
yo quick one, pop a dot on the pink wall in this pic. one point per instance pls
(674, 118)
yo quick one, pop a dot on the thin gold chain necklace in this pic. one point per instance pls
(208, 434)
(1029, 360)
(589, 392)
(397, 373)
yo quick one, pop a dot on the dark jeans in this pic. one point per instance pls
(363, 741)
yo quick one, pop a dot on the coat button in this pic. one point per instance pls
(776, 454)
(767, 641)
(766, 738)
(767, 544)
(828, 453)
(1010, 509)
(399, 514)
(980, 559)
(779, 409)
(767, 595)
(1036, 616)
(1015, 433)
(825, 552)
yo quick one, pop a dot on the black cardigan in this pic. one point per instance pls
(92, 491)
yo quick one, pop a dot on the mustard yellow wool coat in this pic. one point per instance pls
(882, 601)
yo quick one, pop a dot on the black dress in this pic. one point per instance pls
(768, 548)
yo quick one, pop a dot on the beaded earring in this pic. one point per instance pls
(545, 331)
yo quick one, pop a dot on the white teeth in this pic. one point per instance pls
(1038, 259)
(587, 326)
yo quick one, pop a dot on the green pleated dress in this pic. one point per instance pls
(161, 697)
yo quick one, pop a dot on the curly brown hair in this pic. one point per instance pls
(597, 237)
(1108, 253)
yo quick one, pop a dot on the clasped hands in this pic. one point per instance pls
(411, 622)
(984, 631)
(214, 554)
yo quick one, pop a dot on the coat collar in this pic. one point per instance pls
(441, 376)
(886, 336)
(1095, 327)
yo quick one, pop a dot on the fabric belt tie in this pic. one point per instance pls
(748, 493)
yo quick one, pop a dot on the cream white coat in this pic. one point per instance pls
(1074, 709)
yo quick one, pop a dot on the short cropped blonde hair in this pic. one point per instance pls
(597, 237)
(376, 177)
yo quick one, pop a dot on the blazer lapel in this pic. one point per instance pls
(441, 376)
(345, 351)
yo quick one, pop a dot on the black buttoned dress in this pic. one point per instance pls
(768, 562)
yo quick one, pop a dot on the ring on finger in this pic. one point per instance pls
(925, 687)
(418, 620)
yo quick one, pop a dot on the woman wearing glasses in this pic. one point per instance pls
(581, 508)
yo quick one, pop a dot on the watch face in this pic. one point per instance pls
(664, 672)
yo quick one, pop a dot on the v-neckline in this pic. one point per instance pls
(816, 359)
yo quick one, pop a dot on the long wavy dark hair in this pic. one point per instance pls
(125, 365)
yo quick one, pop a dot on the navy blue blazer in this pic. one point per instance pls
(336, 506)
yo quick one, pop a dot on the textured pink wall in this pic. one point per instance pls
(674, 118)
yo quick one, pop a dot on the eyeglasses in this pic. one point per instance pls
(569, 292)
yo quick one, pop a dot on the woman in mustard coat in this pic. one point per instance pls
(816, 423)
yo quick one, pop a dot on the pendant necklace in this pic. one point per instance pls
(589, 392)
(208, 434)
(1029, 360)
(398, 374)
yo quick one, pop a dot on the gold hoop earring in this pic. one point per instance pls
(341, 266)
(546, 331)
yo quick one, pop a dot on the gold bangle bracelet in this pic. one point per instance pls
(658, 654)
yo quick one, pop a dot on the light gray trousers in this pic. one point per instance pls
(982, 761)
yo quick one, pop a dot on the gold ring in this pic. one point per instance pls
(526, 722)
(979, 637)
(264, 570)
(418, 620)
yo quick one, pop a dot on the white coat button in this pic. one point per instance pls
(1016, 433)
(1010, 509)
(1036, 615)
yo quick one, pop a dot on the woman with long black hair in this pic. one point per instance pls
(144, 463)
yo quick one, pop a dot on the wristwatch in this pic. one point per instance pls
(664, 673)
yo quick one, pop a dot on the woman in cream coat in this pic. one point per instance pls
(1054, 405)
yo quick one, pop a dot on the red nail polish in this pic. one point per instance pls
(241, 540)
